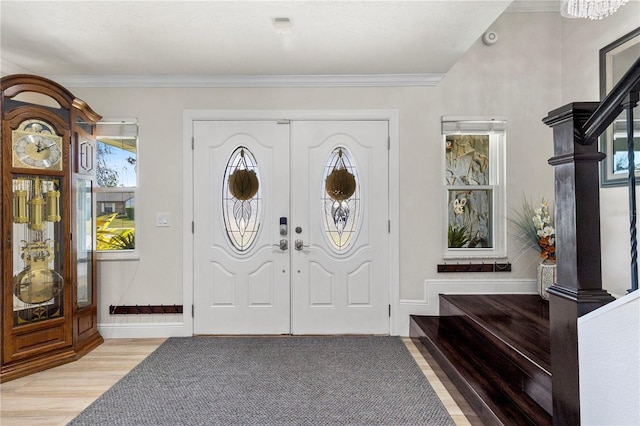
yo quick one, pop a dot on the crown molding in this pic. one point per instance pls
(7, 68)
(242, 81)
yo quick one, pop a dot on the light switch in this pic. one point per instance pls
(162, 219)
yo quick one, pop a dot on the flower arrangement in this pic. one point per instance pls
(536, 228)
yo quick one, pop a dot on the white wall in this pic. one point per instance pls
(518, 77)
(609, 353)
(521, 77)
(581, 42)
(609, 350)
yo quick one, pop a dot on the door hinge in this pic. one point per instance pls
(193, 227)
(192, 142)
(71, 237)
(389, 311)
(389, 226)
(192, 310)
(388, 142)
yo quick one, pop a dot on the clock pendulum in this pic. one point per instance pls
(37, 283)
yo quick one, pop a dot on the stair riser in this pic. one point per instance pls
(479, 406)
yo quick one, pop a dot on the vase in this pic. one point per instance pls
(546, 277)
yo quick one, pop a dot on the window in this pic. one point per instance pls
(116, 178)
(106, 208)
(473, 151)
(340, 199)
(242, 199)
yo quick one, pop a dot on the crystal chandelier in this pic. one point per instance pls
(592, 9)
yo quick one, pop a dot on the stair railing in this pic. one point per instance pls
(624, 97)
(578, 287)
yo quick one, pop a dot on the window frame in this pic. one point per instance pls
(114, 128)
(495, 128)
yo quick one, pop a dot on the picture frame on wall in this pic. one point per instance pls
(615, 60)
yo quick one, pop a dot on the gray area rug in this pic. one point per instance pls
(333, 380)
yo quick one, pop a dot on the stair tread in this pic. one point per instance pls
(495, 398)
(519, 320)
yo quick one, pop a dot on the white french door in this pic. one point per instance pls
(340, 280)
(327, 271)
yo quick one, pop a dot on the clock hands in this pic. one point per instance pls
(40, 148)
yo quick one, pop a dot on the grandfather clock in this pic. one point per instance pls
(48, 265)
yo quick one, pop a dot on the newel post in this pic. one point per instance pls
(578, 289)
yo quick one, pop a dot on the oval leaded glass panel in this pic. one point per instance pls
(241, 199)
(341, 199)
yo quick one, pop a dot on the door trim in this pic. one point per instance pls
(189, 116)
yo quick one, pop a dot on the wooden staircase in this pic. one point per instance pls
(495, 350)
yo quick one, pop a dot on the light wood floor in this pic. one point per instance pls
(458, 408)
(56, 396)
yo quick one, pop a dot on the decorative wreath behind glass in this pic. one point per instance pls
(243, 184)
(241, 199)
(341, 199)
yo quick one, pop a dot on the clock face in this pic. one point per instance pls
(36, 146)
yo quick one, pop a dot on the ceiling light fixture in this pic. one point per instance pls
(282, 25)
(592, 9)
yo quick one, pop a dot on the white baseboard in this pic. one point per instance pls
(429, 303)
(143, 330)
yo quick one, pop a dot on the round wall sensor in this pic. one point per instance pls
(490, 37)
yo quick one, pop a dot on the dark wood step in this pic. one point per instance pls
(487, 346)
(520, 321)
(518, 327)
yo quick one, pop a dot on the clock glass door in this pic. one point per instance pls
(38, 282)
(37, 146)
(83, 240)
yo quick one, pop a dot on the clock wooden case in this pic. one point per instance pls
(48, 265)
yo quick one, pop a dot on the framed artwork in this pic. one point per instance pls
(615, 61)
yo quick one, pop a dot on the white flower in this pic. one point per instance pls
(547, 231)
(458, 206)
(539, 224)
(542, 220)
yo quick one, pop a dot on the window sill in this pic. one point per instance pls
(480, 257)
(108, 256)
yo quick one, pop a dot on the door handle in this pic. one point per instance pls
(284, 244)
(299, 244)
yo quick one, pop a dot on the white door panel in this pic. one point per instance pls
(340, 290)
(240, 292)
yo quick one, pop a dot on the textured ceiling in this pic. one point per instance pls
(223, 38)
